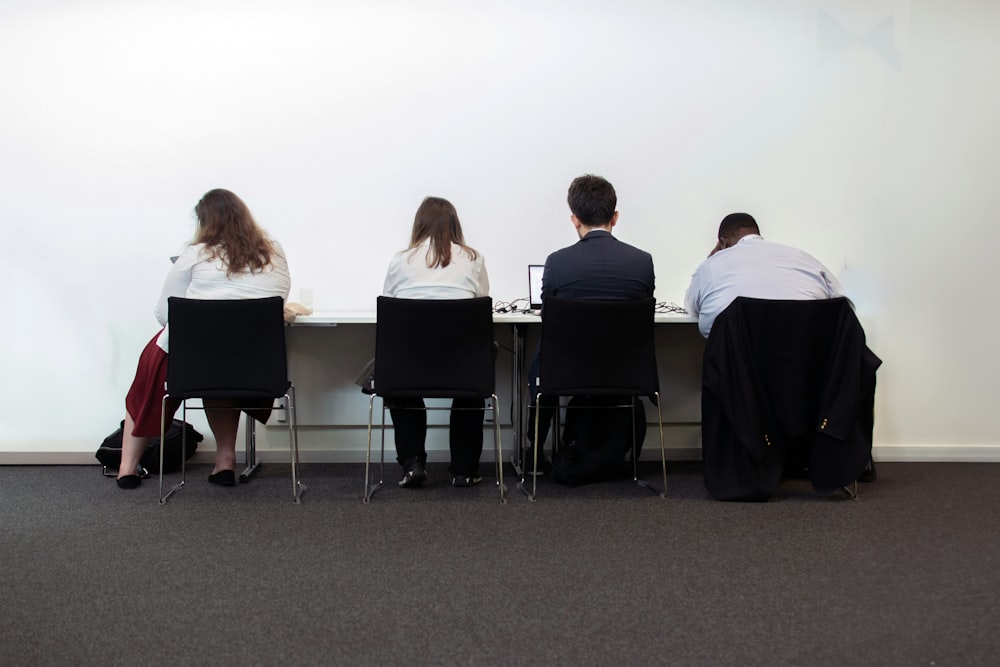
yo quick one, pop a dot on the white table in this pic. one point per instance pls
(683, 361)
(333, 318)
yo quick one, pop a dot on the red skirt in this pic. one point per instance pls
(144, 400)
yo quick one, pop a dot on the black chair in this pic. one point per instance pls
(233, 350)
(433, 348)
(788, 389)
(598, 348)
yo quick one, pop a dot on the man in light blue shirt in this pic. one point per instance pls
(744, 264)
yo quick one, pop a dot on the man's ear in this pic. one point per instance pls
(614, 220)
(575, 220)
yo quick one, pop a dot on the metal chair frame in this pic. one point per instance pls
(635, 464)
(371, 486)
(252, 461)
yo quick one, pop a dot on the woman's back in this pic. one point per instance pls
(409, 277)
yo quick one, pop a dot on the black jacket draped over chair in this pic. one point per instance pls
(788, 387)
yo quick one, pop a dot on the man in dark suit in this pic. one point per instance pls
(598, 266)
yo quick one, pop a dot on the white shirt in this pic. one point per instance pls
(195, 276)
(409, 277)
(756, 268)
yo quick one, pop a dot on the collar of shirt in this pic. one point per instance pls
(750, 237)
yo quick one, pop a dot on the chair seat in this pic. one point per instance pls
(598, 391)
(426, 392)
(231, 394)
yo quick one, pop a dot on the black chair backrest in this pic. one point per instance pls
(226, 348)
(434, 348)
(598, 347)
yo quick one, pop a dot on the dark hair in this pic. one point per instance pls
(592, 200)
(230, 233)
(737, 225)
(437, 220)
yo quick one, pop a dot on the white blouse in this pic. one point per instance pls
(409, 277)
(195, 276)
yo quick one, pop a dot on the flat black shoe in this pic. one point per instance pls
(129, 482)
(465, 480)
(223, 478)
(869, 474)
(414, 475)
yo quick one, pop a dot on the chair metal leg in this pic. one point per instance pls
(534, 449)
(498, 452)
(663, 448)
(163, 436)
(663, 454)
(298, 488)
(371, 488)
(381, 458)
(851, 490)
(252, 461)
(517, 418)
(517, 456)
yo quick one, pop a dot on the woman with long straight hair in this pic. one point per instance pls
(437, 265)
(231, 257)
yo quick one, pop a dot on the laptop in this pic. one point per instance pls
(535, 286)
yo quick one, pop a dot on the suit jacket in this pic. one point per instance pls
(598, 266)
(786, 381)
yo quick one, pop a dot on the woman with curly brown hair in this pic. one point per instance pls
(231, 257)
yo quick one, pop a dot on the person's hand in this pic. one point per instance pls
(293, 310)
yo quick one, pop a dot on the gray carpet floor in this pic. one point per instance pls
(598, 575)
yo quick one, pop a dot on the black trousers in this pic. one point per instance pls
(465, 434)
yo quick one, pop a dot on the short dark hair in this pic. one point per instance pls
(737, 224)
(592, 200)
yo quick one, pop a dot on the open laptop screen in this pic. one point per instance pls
(535, 285)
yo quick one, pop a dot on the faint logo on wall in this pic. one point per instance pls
(836, 38)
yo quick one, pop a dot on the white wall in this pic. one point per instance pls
(861, 130)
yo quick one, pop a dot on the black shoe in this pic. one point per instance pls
(465, 480)
(223, 478)
(129, 482)
(413, 474)
(868, 474)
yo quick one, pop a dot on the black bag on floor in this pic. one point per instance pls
(110, 451)
(597, 443)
